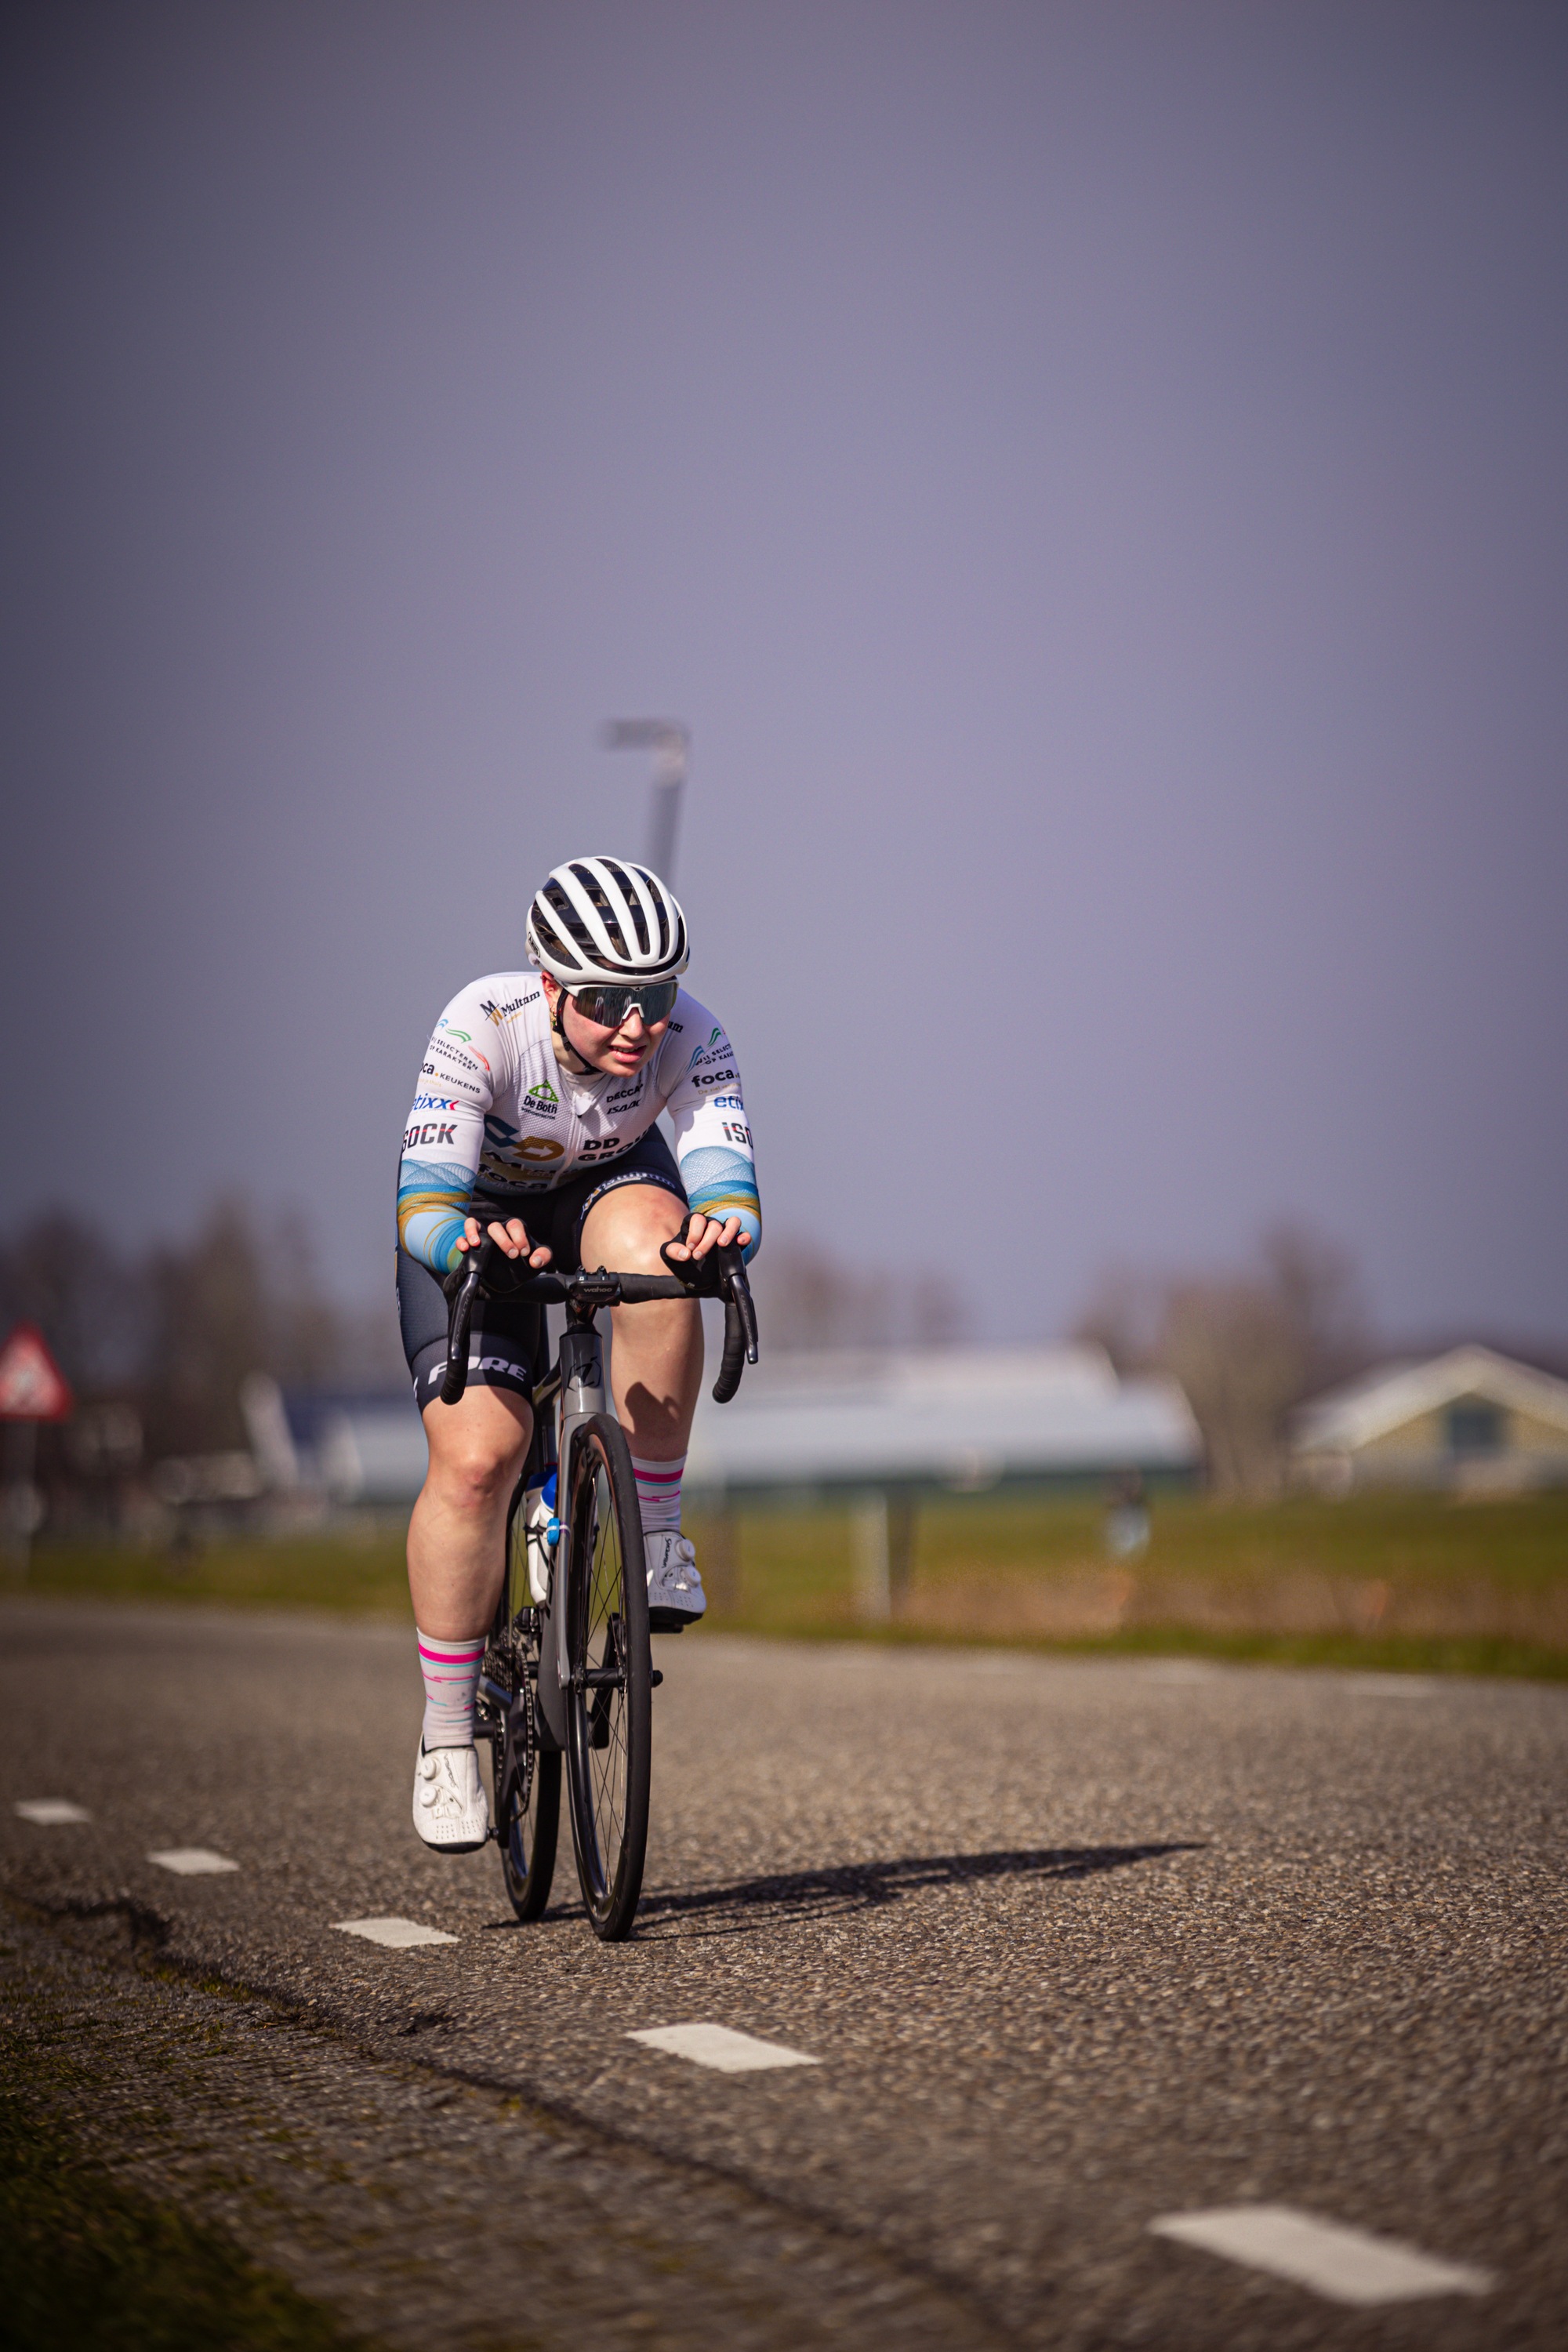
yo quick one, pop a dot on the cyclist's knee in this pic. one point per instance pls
(475, 1455)
(628, 1227)
(472, 1480)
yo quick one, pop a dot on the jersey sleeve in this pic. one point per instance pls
(444, 1135)
(712, 1135)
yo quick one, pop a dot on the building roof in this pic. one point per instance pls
(1393, 1394)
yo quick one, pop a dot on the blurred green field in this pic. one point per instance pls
(1420, 1583)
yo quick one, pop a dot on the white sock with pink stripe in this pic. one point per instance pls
(658, 1492)
(451, 1671)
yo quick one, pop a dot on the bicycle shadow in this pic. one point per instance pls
(746, 1904)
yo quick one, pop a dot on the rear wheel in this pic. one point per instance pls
(610, 1703)
(527, 1776)
(528, 1804)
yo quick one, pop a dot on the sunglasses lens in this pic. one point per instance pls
(608, 1007)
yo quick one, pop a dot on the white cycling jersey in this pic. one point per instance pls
(496, 1114)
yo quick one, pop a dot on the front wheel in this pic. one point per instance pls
(609, 1704)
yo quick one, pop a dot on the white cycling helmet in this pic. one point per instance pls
(604, 919)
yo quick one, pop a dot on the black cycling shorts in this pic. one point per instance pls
(507, 1334)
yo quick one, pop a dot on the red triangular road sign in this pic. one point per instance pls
(32, 1385)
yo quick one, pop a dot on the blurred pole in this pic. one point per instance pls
(19, 1497)
(868, 1553)
(902, 1528)
(721, 1554)
(671, 743)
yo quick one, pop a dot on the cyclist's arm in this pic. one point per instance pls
(712, 1135)
(442, 1140)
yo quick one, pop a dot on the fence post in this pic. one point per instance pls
(868, 1551)
(903, 1517)
(721, 1553)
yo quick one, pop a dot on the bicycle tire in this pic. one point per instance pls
(527, 1813)
(609, 1718)
(526, 1832)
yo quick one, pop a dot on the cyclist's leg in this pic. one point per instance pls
(457, 1535)
(656, 1371)
(455, 1557)
(656, 1363)
(476, 1447)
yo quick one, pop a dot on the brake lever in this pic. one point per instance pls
(737, 1292)
(455, 1378)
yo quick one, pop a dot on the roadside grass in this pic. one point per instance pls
(84, 2261)
(1401, 1582)
(353, 1570)
(1409, 1582)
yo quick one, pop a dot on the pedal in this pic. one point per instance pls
(667, 1621)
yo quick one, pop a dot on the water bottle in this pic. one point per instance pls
(540, 1530)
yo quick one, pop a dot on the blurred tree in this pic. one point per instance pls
(65, 1274)
(233, 1300)
(168, 1337)
(1246, 1345)
(809, 1299)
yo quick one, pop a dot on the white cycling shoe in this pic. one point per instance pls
(450, 1812)
(675, 1595)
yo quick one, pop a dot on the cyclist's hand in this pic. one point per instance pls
(706, 1233)
(511, 1238)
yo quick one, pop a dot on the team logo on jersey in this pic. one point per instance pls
(542, 1101)
(464, 1035)
(501, 1014)
(475, 1061)
(704, 1054)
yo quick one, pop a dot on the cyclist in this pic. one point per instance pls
(539, 1092)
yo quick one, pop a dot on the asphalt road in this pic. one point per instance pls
(1076, 1946)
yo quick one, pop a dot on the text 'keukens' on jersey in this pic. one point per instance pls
(495, 1113)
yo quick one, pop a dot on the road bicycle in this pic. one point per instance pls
(568, 1671)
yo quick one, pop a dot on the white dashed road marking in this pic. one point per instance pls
(47, 1809)
(192, 1861)
(1346, 2265)
(716, 2045)
(398, 1933)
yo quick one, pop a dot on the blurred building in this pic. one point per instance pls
(962, 1418)
(1469, 1419)
(342, 1448)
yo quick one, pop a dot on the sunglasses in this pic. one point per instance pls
(607, 1006)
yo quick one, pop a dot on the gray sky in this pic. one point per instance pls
(1091, 479)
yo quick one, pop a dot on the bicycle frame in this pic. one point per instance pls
(581, 1394)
